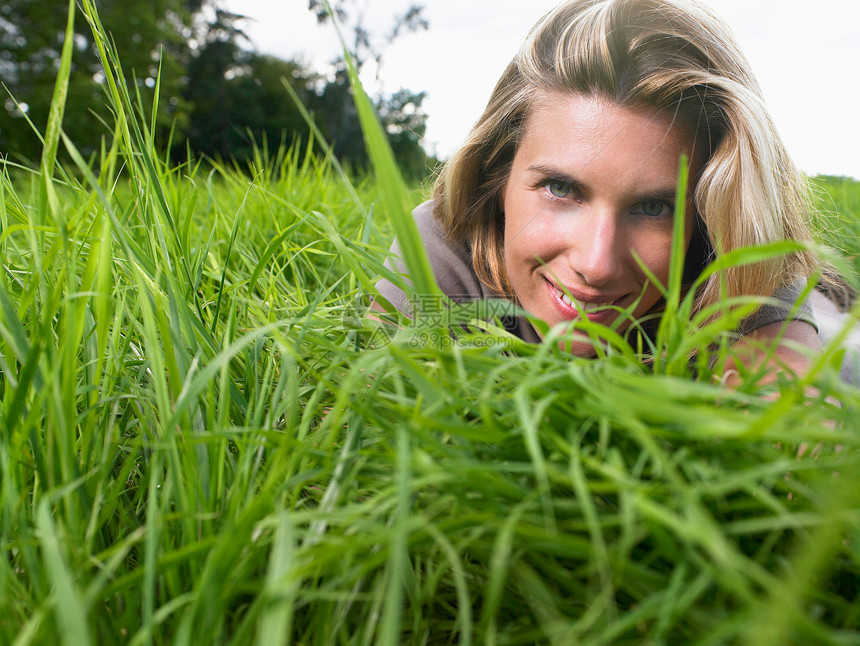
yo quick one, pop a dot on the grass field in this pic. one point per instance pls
(203, 440)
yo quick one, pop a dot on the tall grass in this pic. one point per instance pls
(201, 443)
(839, 215)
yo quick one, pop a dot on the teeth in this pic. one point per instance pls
(589, 307)
(584, 305)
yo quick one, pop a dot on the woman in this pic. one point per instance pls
(562, 198)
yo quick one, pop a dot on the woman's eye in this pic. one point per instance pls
(653, 208)
(559, 189)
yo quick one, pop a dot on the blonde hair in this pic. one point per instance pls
(672, 55)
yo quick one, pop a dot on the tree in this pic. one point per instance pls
(208, 90)
(238, 99)
(149, 36)
(405, 124)
(215, 96)
(401, 113)
(365, 45)
(31, 39)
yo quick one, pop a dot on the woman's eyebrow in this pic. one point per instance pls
(668, 194)
(555, 173)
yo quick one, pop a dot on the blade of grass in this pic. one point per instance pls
(68, 607)
(391, 184)
(55, 117)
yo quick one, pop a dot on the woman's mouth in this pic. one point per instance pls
(596, 306)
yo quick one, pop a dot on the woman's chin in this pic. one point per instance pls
(578, 345)
(574, 342)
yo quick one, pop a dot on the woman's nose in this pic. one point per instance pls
(598, 250)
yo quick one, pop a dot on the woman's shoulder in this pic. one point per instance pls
(836, 323)
(450, 259)
(811, 323)
(782, 306)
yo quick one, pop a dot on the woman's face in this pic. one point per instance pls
(591, 188)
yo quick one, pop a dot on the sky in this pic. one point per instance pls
(805, 55)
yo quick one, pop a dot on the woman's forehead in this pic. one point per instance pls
(601, 125)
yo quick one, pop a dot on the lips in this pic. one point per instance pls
(570, 302)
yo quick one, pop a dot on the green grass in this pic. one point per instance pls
(202, 441)
(838, 200)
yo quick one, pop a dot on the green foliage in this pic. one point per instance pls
(239, 102)
(402, 116)
(200, 444)
(150, 37)
(212, 96)
(838, 200)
